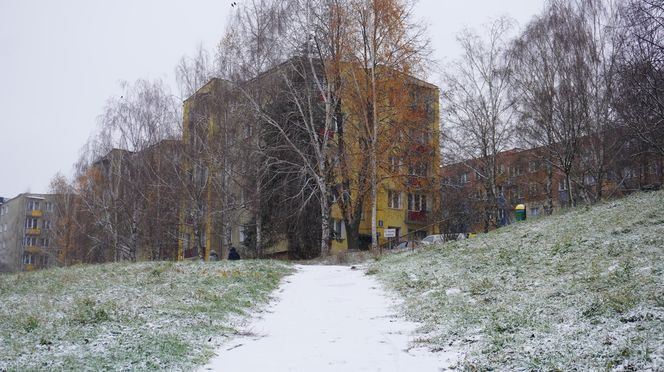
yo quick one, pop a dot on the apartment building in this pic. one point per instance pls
(408, 194)
(218, 198)
(131, 205)
(523, 178)
(25, 233)
(223, 204)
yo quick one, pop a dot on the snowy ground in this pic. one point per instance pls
(582, 290)
(329, 318)
(128, 316)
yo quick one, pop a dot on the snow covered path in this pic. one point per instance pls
(328, 318)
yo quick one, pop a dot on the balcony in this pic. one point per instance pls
(33, 249)
(418, 182)
(36, 213)
(421, 148)
(417, 217)
(33, 231)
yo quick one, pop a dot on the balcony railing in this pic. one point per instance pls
(418, 182)
(36, 213)
(33, 249)
(417, 217)
(33, 231)
(421, 148)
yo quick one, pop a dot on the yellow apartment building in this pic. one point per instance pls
(221, 200)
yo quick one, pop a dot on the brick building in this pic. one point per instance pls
(522, 178)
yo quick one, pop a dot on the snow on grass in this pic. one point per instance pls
(150, 315)
(582, 290)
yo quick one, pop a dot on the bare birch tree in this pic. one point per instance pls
(640, 78)
(478, 114)
(112, 182)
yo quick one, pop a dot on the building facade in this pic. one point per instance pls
(408, 195)
(216, 203)
(25, 233)
(525, 177)
(234, 198)
(129, 205)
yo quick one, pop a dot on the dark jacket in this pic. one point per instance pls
(233, 255)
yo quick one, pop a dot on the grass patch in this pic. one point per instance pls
(124, 316)
(581, 290)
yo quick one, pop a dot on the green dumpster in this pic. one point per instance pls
(520, 211)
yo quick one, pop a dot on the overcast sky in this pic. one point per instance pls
(61, 60)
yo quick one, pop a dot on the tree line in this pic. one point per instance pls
(582, 82)
(306, 112)
(312, 113)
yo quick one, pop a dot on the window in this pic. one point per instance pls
(501, 169)
(418, 169)
(629, 172)
(428, 104)
(652, 168)
(562, 185)
(201, 175)
(394, 199)
(30, 241)
(515, 170)
(28, 259)
(44, 242)
(243, 233)
(33, 205)
(337, 229)
(534, 211)
(395, 164)
(417, 202)
(463, 178)
(46, 224)
(419, 136)
(533, 166)
(30, 223)
(533, 189)
(478, 176)
(588, 180)
(519, 193)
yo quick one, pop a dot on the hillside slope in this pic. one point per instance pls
(580, 290)
(149, 315)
